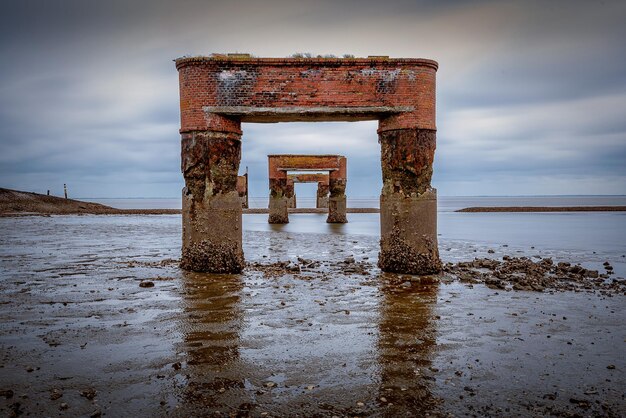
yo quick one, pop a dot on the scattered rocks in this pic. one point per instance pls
(522, 273)
(89, 393)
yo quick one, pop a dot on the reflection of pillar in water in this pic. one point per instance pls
(407, 337)
(211, 325)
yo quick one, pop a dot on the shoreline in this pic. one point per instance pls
(14, 203)
(484, 209)
(106, 210)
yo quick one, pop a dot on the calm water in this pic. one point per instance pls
(590, 237)
(446, 203)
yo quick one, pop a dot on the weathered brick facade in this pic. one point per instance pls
(219, 92)
(282, 193)
(322, 181)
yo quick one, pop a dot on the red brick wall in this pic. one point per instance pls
(306, 162)
(305, 82)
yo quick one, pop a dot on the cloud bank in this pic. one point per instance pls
(531, 95)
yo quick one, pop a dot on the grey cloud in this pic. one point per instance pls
(530, 94)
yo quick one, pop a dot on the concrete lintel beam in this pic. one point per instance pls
(303, 114)
(308, 169)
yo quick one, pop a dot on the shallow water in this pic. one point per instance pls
(321, 342)
(445, 203)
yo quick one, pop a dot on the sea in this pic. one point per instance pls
(591, 236)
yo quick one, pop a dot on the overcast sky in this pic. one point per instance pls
(531, 96)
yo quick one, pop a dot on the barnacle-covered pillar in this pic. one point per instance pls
(322, 194)
(242, 190)
(290, 192)
(337, 186)
(279, 194)
(211, 203)
(408, 203)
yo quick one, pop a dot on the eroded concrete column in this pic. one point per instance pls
(322, 195)
(211, 203)
(290, 192)
(408, 204)
(337, 180)
(279, 199)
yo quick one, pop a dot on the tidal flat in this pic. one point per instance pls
(98, 319)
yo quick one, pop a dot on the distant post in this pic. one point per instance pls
(65, 190)
(48, 192)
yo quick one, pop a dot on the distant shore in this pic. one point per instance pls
(544, 209)
(18, 203)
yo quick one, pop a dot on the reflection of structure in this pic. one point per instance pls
(211, 339)
(322, 181)
(282, 186)
(242, 189)
(407, 337)
(219, 92)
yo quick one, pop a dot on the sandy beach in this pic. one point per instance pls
(98, 319)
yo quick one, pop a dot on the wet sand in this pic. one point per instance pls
(99, 319)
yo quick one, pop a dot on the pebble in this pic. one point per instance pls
(88, 393)
(55, 394)
(146, 283)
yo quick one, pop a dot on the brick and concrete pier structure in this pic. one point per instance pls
(282, 192)
(322, 180)
(219, 92)
(242, 189)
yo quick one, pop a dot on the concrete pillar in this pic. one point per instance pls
(408, 204)
(245, 204)
(322, 195)
(337, 201)
(290, 192)
(211, 204)
(279, 199)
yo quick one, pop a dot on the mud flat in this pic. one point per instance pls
(545, 209)
(18, 203)
(98, 319)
